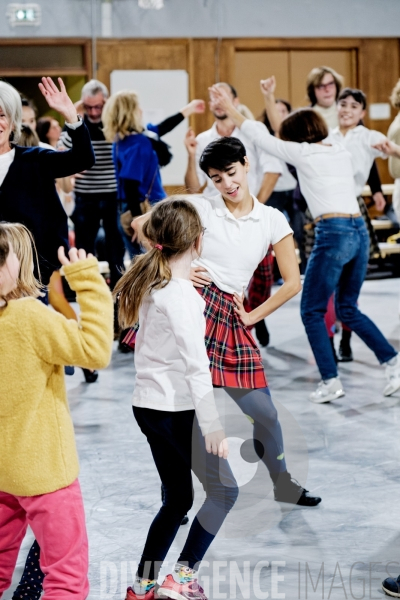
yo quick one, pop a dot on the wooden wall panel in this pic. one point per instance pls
(374, 64)
(140, 54)
(378, 71)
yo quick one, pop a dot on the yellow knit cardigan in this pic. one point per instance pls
(37, 443)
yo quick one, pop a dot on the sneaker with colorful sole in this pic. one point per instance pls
(180, 591)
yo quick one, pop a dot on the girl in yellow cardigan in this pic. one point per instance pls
(38, 459)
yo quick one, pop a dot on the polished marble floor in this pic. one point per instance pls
(347, 451)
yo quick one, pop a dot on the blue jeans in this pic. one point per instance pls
(178, 448)
(338, 263)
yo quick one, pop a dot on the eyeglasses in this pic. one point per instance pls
(326, 86)
(98, 107)
(203, 230)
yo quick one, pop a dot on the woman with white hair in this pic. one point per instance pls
(27, 175)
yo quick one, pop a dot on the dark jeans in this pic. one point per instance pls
(178, 448)
(285, 202)
(90, 211)
(267, 434)
(338, 263)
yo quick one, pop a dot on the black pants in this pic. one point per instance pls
(90, 211)
(178, 447)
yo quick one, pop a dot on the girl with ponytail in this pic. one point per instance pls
(173, 400)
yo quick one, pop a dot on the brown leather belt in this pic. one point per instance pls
(337, 216)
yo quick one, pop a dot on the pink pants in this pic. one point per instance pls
(330, 318)
(58, 523)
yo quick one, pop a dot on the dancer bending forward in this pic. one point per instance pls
(238, 232)
(338, 262)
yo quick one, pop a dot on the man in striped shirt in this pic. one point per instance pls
(96, 189)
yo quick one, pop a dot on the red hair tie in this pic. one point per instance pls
(158, 246)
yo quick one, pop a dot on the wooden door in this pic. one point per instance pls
(291, 68)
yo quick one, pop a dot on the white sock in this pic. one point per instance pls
(393, 361)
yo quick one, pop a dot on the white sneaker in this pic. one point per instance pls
(392, 374)
(328, 390)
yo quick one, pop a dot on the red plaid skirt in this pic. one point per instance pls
(235, 360)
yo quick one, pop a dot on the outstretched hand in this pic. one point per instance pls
(194, 107)
(58, 99)
(74, 254)
(388, 147)
(219, 95)
(268, 86)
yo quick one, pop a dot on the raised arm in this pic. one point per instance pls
(257, 132)
(195, 106)
(192, 181)
(268, 87)
(81, 156)
(87, 344)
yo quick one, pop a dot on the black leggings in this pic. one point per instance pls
(178, 447)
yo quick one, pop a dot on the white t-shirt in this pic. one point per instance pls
(325, 172)
(359, 142)
(260, 162)
(286, 181)
(172, 366)
(233, 248)
(5, 163)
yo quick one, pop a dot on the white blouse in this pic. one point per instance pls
(325, 171)
(233, 248)
(359, 142)
(5, 163)
(172, 366)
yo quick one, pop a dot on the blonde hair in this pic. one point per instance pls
(24, 247)
(122, 115)
(316, 76)
(174, 226)
(395, 95)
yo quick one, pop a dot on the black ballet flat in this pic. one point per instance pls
(90, 376)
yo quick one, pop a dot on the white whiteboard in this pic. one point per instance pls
(161, 95)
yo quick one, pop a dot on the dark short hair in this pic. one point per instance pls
(233, 90)
(315, 78)
(43, 127)
(358, 96)
(221, 154)
(304, 125)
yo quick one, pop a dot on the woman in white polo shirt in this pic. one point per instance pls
(359, 141)
(340, 256)
(238, 232)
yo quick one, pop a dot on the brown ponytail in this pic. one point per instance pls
(173, 228)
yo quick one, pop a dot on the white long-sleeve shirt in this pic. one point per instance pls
(359, 142)
(325, 171)
(172, 366)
